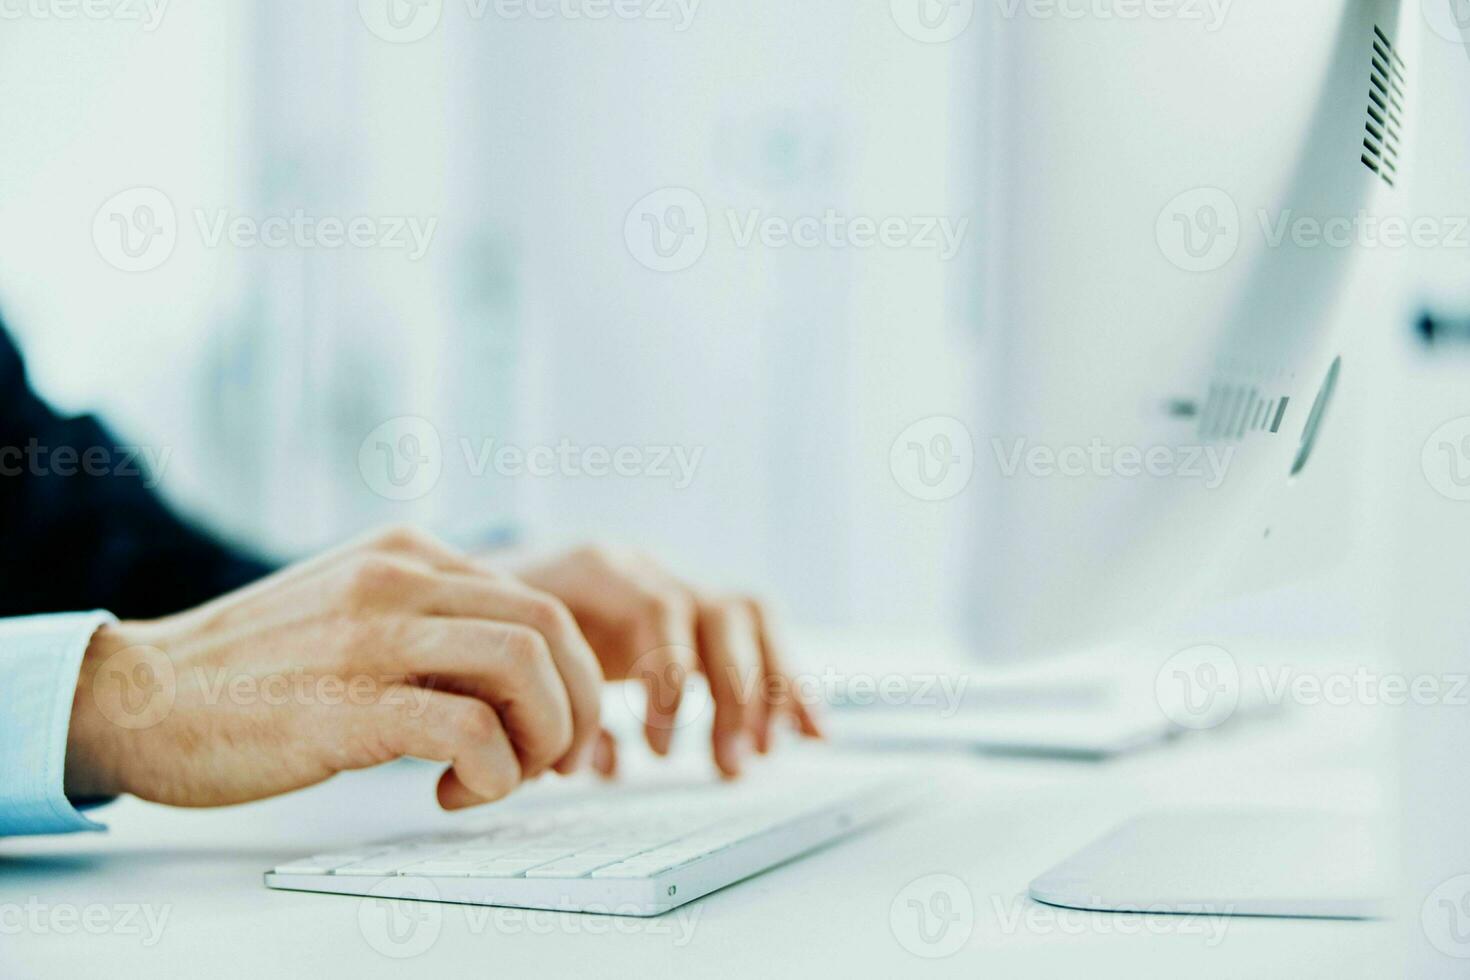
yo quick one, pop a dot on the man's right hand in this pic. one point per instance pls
(389, 647)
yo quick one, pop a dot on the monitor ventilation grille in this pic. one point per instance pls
(1231, 412)
(1386, 83)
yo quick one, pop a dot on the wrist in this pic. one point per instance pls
(92, 739)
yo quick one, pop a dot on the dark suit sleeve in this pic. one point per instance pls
(81, 529)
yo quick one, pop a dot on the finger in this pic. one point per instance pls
(605, 755)
(444, 727)
(412, 542)
(470, 596)
(768, 701)
(666, 631)
(506, 665)
(729, 652)
(401, 542)
(781, 694)
(806, 719)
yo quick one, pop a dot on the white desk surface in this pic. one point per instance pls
(996, 823)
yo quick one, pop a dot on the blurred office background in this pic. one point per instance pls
(528, 321)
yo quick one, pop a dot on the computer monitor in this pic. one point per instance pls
(1194, 253)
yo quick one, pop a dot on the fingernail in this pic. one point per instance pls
(730, 748)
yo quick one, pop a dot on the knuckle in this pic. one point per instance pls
(746, 693)
(737, 610)
(742, 677)
(597, 555)
(757, 607)
(526, 647)
(359, 644)
(375, 577)
(669, 664)
(664, 607)
(730, 714)
(734, 692)
(714, 612)
(476, 723)
(400, 537)
(734, 716)
(548, 616)
(652, 606)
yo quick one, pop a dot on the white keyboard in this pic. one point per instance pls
(617, 850)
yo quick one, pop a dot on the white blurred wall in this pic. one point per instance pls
(529, 320)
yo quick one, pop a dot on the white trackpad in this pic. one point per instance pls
(1221, 862)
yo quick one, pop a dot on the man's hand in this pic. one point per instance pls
(394, 646)
(646, 625)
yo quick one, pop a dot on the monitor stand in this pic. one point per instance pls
(1292, 863)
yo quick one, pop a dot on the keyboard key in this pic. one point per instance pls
(628, 846)
(479, 855)
(442, 867)
(504, 868)
(609, 856)
(383, 864)
(543, 853)
(628, 869)
(318, 864)
(576, 866)
(663, 858)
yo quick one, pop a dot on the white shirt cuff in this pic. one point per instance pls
(40, 660)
